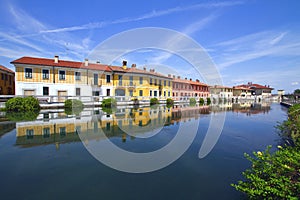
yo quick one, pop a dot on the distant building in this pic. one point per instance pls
(258, 90)
(241, 92)
(183, 89)
(219, 91)
(280, 92)
(7, 81)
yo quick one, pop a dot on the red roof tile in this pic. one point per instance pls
(176, 80)
(250, 86)
(6, 69)
(61, 63)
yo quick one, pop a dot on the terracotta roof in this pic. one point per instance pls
(6, 69)
(137, 71)
(220, 86)
(61, 63)
(252, 86)
(188, 82)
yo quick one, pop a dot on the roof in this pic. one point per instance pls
(191, 82)
(241, 88)
(135, 70)
(60, 63)
(6, 69)
(220, 86)
(253, 86)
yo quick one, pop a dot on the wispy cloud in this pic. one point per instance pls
(254, 46)
(150, 15)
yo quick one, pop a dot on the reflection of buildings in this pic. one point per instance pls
(6, 126)
(56, 128)
(53, 128)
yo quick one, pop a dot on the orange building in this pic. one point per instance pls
(7, 81)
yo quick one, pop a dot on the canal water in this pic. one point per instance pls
(48, 158)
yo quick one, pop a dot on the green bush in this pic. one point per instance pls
(193, 101)
(154, 101)
(201, 101)
(22, 116)
(73, 106)
(272, 176)
(109, 103)
(19, 104)
(208, 101)
(170, 101)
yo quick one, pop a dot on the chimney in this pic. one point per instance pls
(169, 75)
(98, 62)
(152, 70)
(174, 76)
(191, 79)
(133, 66)
(145, 68)
(197, 80)
(185, 78)
(178, 77)
(56, 59)
(86, 62)
(124, 64)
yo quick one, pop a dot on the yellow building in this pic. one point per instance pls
(7, 81)
(54, 77)
(140, 83)
(59, 79)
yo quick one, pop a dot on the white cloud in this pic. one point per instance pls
(295, 83)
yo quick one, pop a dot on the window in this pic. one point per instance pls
(45, 74)
(169, 83)
(29, 133)
(131, 80)
(62, 131)
(120, 80)
(169, 93)
(95, 79)
(130, 93)
(45, 91)
(2, 76)
(77, 76)
(10, 80)
(159, 82)
(46, 132)
(6, 77)
(141, 92)
(28, 73)
(95, 93)
(155, 93)
(107, 92)
(107, 78)
(155, 82)
(77, 91)
(164, 93)
(108, 126)
(141, 80)
(165, 83)
(150, 81)
(150, 93)
(62, 75)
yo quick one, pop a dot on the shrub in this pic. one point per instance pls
(208, 101)
(272, 176)
(170, 101)
(201, 101)
(109, 103)
(22, 116)
(154, 101)
(193, 101)
(19, 104)
(73, 106)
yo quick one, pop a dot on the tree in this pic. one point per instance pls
(297, 91)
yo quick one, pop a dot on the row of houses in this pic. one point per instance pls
(61, 78)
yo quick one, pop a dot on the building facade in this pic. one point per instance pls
(221, 92)
(242, 92)
(258, 90)
(183, 89)
(7, 81)
(60, 79)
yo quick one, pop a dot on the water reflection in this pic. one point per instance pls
(58, 127)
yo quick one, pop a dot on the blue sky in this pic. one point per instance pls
(256, 41)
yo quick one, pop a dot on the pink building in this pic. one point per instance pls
(183, 89)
